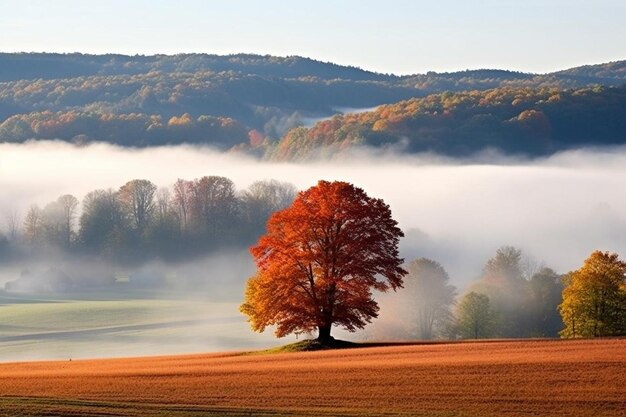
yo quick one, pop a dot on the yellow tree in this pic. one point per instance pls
(594, 298)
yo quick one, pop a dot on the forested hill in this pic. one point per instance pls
(250, 102)
(15, 67)
(520, 121)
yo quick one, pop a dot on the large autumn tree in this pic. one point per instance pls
(319, 261)
(594, 298)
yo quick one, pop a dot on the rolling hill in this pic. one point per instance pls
(259, 104)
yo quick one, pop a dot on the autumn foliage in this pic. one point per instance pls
(594, 300)
(320, 260)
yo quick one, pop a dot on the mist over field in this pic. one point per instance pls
(455, 211)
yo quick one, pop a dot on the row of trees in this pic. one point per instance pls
(321, 258)
(140, 221)
(512, 301)
(135, 129)
(250, 99)
(509, 300)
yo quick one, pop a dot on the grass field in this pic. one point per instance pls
(501, 378)
(102, 324)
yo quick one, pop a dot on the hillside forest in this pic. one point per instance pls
(296, 108)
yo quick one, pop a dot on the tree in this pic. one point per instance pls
(33, 227)
(319, 261)
(505, 268)
(137, 201)
(262, 199)
(213, 205)
(182, 190)
(69, 205)
(504, 282)
(475, 317)
(53, 224)
(545, 291)
(102, 222)
(431, 296)
(12, 222)
(57, 220)
(594, 298)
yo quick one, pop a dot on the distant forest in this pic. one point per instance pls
(140, 222)
(267, 105)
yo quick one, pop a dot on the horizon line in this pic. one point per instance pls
(256, 54)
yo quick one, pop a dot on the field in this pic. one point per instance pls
(113, 324)
(497, 378)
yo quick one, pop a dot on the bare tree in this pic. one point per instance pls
(69, 206)
(213, 203)
(12, 223)
(263, 198)
(181, 200)
(33, 224)
(163, 199)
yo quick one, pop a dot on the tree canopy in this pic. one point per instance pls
(594, 298)
(139, 221)
(319, 261)
(431, 297)
(475, 316)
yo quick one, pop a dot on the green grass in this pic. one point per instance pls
(311, 345)
(106, 325)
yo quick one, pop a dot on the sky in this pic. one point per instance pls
(395, 36)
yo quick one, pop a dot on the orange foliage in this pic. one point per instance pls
(256, 138)
(320, 259)
(183, 120)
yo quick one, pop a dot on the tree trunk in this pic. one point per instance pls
(324, 334)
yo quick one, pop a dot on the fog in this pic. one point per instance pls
(457, 212)
(557, 209)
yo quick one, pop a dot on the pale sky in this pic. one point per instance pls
(398, 36)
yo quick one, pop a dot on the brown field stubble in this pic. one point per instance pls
(503, 378)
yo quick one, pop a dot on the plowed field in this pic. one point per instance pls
(501, 378)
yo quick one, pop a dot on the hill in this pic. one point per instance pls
(522, 120)
(239, 101)
(503, 378)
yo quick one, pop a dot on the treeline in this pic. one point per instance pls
(24, 66)
(513, 120)
(135, 129)
(259, 102)
(521, 300)
(514, 298)
(140, 221)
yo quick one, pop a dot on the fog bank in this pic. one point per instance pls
(557, 209)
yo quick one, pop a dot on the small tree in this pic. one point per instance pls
(594, 298)
(475, 317)
(545, 296)
(319, 261)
